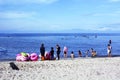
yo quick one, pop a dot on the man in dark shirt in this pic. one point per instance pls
(52, 53)
(42, 50)
(58, 51)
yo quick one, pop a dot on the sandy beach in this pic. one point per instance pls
(77, 69)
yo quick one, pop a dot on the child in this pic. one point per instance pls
(87, 53)
(72, 55)
(110, 41)
(93, 53)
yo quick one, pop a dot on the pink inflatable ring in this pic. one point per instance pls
(34, 57)
(20, 57)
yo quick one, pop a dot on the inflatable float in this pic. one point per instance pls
(33, 57)
(26, 57)
(47, 56)
(22, 56)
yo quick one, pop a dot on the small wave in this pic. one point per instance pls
(2, 51)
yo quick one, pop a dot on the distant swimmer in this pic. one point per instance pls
(110, 41)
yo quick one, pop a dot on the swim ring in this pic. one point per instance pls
(47, 55)
(24, 54)
(34, 57)
(18, 57)
(23, 57)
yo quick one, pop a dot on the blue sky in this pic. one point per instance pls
(44, 16)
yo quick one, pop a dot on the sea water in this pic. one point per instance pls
(12, 44)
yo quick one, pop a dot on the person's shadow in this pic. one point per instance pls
(13, 66)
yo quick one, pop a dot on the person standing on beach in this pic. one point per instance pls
(52, 53)
(109, 48)
(42, 51)
(72, 55)
(58, 51)
(65, 50)
(87, 53)
(93, 53)
(80, 53)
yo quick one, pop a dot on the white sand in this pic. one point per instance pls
(77, 69)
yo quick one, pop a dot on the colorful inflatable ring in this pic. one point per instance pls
(34, 57)
(47, 56)
(18, 57)
(24, 54)
(22, 57)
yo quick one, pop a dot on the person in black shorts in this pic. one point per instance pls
(42, 51)
(80, 53)
(52, 53)
(58, 51)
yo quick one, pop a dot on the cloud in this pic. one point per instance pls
(15, 14)
(103, 29)
(106, 29)
(106, 14)
(114, 26)
(114, 14)
(16, 2)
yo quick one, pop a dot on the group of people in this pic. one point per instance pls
(65, 51)
(50, 55)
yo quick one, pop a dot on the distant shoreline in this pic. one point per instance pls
(56, 34)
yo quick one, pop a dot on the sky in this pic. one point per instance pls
(62, 16)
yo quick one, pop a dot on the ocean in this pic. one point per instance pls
(13, 43)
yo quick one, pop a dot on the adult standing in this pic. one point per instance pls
(109, 48)
(58, 51)
(80, 53)
(52, 53)
(65, 50)
(42, 51)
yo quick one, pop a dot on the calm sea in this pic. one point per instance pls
(12, 44)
